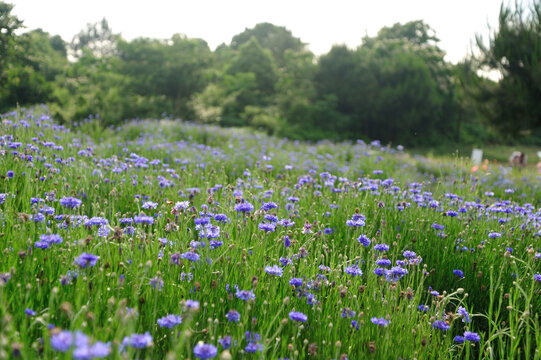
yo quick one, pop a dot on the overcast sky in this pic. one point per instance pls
(318, 23)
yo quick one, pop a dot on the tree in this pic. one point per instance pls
(8, 24)
(252, 58)
(512, 104)
(277, 39)
(98, 39)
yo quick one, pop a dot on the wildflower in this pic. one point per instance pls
(494, 235)
(268, 206)
(85, 260)
(192, 304)
(409, 254)
(424, 308)
(437, 226)
(190, 255)
(286, 223)
(383, 262)
(295, 282)
(245, 295)
(537, 277)
(297, 316)
(441, 325)
(459, 273)
(244, 207)
(471, 336)
(143, 219)
(396, 273)
(10, 174)
(287, 241)
(149, 205)
(465, 316)
(138, 341)
(182, 205)
(225, 342)
(62, 341)
(170, 321)
(205, 351)
(30, 312)
(267, 227)
(380, 321)
(353, 270)
(156, 282)
(274, 270)
(381, 247)
(70, 202)
(233, 316)
(364, 240)
(253, 347)
(459, 339)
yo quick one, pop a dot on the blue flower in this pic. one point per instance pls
(170, 321)
(380, 321)
(274, 270)
(471, 336)
(458, 273)
(233, 316)
(205, 351)
(441, 325)
(297, 316)
(62, 341)
(85, 260)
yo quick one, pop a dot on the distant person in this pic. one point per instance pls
(518, 158)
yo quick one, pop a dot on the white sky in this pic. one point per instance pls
(318, 23)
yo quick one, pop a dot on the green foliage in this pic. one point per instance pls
(512, 104)
(277, 39)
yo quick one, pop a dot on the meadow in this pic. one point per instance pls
(165, 239)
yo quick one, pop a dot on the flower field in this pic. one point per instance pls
(164, 239)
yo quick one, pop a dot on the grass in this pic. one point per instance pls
(343, 201)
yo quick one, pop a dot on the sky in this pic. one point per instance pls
(320, 24)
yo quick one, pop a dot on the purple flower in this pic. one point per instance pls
(170, 321)
(441, 325)
(424, 308)
(10, 174)
(85, 260)
(267, 227)
(29, 312)
(62, 341)
(459, 339)
(244, 207)
(192, 304)
(471, 336)
(225, 342)
(70, 202)
(396, 273)
(364, 240)
(494, 235)
(353, 270)
(138, 341)
(383, 262)
(190, 255)
(156, 282)
(295, 282)
(287, 241)
(286, 223)
(465, 316)
(459, 273)
(409, 254)
(537, 277)
(205, 351)
(274, 270)
(100, 349)
(437, 226)
(245, 295)
(297, 316)
(143, 219)
(233, 316)
(381, 247)
(380, 321)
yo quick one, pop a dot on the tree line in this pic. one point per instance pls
(395, 86)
